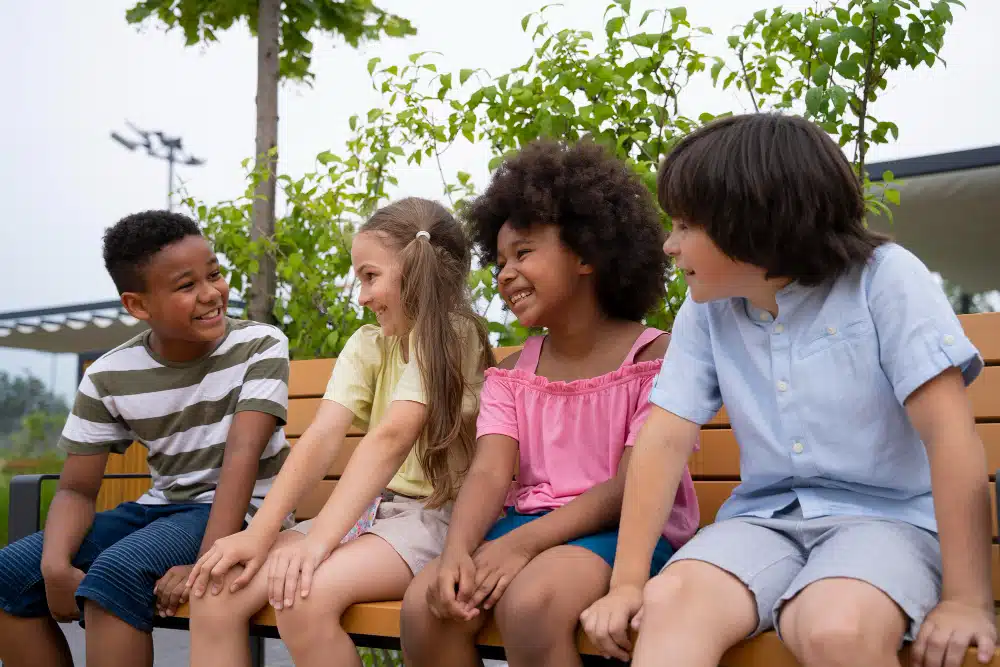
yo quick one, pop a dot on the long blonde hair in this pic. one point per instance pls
(437, 302)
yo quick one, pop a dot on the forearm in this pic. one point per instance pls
(305, 466)
(232, 497)
(654, 475)
(477, 508)
(371, 467)
(595, 510)
(962, 505)
(71, 515)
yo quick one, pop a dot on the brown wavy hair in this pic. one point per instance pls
(437, 302)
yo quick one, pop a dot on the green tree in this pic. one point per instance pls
(624, 88)
(23, 395)
(284, 51)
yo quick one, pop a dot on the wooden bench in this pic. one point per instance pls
(715, 468)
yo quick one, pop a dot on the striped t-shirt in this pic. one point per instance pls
(182, 412)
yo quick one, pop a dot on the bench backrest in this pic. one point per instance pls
(715, 467)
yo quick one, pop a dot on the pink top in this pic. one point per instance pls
(571, 435)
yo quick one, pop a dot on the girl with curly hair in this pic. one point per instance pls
(575, 237)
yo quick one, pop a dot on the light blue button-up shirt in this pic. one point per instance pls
(815, 396)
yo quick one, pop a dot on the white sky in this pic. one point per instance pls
(76, 71)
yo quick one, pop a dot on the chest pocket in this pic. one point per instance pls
(821, 338)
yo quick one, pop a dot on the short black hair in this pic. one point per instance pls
(604, 213)
(135, 239)
(770, 190)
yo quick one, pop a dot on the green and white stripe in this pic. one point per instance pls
(182, 412)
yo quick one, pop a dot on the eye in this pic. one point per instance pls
(522, 252)
(186, 286)
(215, 275)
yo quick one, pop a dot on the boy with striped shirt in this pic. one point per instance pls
(207, 396)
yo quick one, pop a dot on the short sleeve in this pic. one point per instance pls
(919, 335)
(93, 425)
(497, 409)
(411, 385)
(352, 383)
(642, 412)
(265, 382)
(688, 385)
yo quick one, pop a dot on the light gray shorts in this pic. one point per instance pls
(778, 557)
(416, 533)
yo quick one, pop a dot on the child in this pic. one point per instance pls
(413, 383)
(843, 371)
(575, 238)
(207, 396)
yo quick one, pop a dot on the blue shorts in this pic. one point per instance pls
(124, 554)
(602, 544)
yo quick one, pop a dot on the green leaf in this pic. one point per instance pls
(849, 69)
(892, 196)
(678, 14)
(760, 16)
(733, 41)
(813, 100)
(614, 26)
(464, 74)
(717, 69)
(524, 22)
(373, 63)
(821, 75)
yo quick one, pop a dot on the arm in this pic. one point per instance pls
(72, 510)
(941, 413)
(659, 456)
(378, 456)
(305, 466)
(248, 436)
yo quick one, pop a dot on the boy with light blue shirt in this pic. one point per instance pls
(863, 516)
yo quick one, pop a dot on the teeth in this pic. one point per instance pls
(519, 296)
(209, 315)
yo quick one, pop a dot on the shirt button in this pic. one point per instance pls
(798, 447)
(949, 339)
(831, 330)
(782, 386)
(778, 328)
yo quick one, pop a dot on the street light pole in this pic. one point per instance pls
(162, 147)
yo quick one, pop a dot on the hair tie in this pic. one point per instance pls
(423, 234)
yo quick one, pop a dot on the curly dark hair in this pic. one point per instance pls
(604, 214)
(135, 239)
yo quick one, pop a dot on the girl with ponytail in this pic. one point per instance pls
(412, 382)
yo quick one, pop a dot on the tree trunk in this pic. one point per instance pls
(262, 285)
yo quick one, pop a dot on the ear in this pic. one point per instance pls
(584, 269)
(135, 305)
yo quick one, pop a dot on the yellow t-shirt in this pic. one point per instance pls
(370, 374)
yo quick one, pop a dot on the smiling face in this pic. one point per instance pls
(185, 297)
(378, 268)
(710, 273)
(537, 273)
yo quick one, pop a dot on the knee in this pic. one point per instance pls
(681, 586)
(213, 612)
(415, 612)
(838, 638)
(526, 613)
(309, 618)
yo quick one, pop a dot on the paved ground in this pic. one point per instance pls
(171, 649)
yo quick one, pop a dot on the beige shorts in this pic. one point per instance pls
(416, 533)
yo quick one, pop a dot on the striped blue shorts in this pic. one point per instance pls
(124, 554)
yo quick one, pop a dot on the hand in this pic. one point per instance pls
(60, 592)
(449, 597)
(607, 621)
(497, 563)
(244, 548)
(171, 590)
(291, 569)
(949, 629)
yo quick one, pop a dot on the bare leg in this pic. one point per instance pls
(28, 642)
(220, 623)
(539, 612)
(365, 570)
(843, 622)
(432, 642)
(693, 612)
(111, 642)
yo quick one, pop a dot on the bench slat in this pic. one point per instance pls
(983, 329)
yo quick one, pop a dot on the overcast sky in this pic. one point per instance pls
(76, 71)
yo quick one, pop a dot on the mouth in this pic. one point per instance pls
(210, 315)
(519, 296)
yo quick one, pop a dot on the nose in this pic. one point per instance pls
(209, 293)
(507, 274)
(671, 247)
(364, 297)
